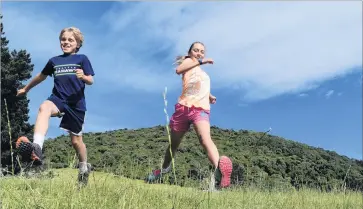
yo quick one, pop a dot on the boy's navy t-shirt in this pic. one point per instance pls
(67, 86)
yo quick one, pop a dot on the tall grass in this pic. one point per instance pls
(110, 191)
(169, 136)
(10, 139)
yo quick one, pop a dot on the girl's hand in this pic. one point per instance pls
(212, 99)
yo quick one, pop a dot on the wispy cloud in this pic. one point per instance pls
(96, 122)
(329, 94)
(241, 104)
(262, 48)
(303, 95)
(289, 46)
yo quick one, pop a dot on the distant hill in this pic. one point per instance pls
(259, 160)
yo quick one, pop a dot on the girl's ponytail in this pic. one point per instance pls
(180, 59)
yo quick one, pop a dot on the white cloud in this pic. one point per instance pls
(303, 95)
(97, 122)
(329, 93)
(340, 94)
(263, 49)
(241, 104)
(35, 32)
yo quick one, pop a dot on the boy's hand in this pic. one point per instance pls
(79, 73)
(21, 92)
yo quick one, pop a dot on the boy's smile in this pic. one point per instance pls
(68, 43)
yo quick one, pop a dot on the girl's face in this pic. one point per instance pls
(68, 43)
(197, 51)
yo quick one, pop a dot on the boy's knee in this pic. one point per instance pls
(45, 108)
(48, 107)
(76, 140)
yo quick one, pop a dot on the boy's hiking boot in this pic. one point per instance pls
(83, 176)
(29, 151)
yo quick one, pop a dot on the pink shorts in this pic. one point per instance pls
(184, 116)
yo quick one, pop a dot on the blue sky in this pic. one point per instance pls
(293, 66)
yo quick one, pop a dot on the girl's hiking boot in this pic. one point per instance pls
(223, 172)
(155, 175)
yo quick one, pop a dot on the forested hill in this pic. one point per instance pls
(259, 160)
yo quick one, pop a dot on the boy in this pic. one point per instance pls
(71, 72)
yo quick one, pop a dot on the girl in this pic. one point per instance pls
(193, 107)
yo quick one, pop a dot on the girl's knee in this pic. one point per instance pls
(204, 139)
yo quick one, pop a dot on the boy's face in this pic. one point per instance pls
(68, 43)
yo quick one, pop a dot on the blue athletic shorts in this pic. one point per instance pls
(72, 119)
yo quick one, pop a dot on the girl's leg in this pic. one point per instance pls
(176, 138)
(202, 128)
(179, 125)
(223, 165)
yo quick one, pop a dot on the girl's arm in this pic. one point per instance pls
(186, 65)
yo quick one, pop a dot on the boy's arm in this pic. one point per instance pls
(40, 77)
(35, 81)
(86, 73)
(88, 79)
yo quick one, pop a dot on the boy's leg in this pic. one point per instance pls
(222, 165)
(84, 167)
(46, 110)
(33, 151)
(80, 147)
(73, 122)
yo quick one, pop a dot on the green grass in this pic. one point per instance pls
(109, 191)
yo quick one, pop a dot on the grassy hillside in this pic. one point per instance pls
(109, 191)
(267, 162)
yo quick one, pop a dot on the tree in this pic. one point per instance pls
(16, 67)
